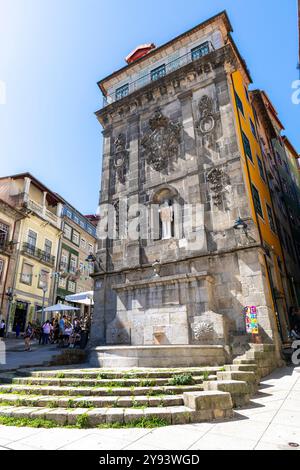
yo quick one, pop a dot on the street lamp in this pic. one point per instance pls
(10, 295)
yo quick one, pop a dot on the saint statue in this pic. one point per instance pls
(166, 217)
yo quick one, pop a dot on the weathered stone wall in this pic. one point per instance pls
(189, 112)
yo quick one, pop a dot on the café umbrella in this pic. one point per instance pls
(59, 308)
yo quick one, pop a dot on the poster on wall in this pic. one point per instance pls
(251, 320)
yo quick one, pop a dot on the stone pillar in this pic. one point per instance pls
(98, 327)
(133, 246)
(44, 202)
(27, 182)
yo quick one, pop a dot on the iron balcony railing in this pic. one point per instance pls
(159, 72)
(5, 245)
(36, 253)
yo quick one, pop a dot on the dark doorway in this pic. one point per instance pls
(20, 315)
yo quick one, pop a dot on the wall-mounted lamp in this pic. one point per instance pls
(240, 224)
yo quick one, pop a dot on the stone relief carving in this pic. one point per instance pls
(206, 123)
(219, 184)
(120, 158)
(203, 330)
(161, 142)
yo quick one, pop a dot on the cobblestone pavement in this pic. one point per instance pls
(272, 421)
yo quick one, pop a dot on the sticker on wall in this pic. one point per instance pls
(251, 320)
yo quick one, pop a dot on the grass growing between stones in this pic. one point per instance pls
(82, 422)
(181, 379)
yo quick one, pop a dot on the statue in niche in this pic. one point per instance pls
(166, 218)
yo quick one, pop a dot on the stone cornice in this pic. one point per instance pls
(158, 281)
(199, 67)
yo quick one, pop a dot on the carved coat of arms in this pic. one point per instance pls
(120, 158)
(161, 142)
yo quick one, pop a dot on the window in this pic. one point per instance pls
(81, 266)
(122, 91)
(71, 286)
(76, 219)
(67, 231)
(247, 147)
(158, 72)
(261, 168)
(75, 237)
(32, 237)
(69, 214)
(239, 103)
(271, 218)
(62, 283)
(48, 246)
(278, 158)
(64, 261)
(3, 233)
(73, 264)
(1, 269)
(26, 275)
(256, 200)
(253, 128)
(43, 279)
(83, 243)
(200, 51)
(91, 248)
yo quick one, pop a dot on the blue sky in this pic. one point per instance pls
(52, 53)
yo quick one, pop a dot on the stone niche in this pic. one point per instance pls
(169, 310)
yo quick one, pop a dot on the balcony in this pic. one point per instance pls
(38, 254)
(159, 72)
(5, 246)
(43, 212)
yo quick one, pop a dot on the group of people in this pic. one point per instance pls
(64, 332)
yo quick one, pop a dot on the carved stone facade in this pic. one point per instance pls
(182, 144)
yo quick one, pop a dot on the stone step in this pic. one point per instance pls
(116, 373)
(249, 377)
(262, 347)
(242, 367)
(69, 382)
(239, 390)
(207, 407)
(90, 402)
(243, 360)
(262, 355)
(97, 391)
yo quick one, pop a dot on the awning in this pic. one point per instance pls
(59, 308)
(85, 298)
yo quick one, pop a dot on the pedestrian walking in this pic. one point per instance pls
(18, 330)
(28, 336)
(2, 328)
(46, 332)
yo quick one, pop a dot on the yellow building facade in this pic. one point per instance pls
(260, 199)
(37, 247)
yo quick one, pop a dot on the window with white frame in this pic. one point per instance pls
(71, 286)
(64, 259)
(26, 275)
(67, 231)
(83, 243)
(91, 248)
(75, 237)
(62, 283)
(73, 264)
